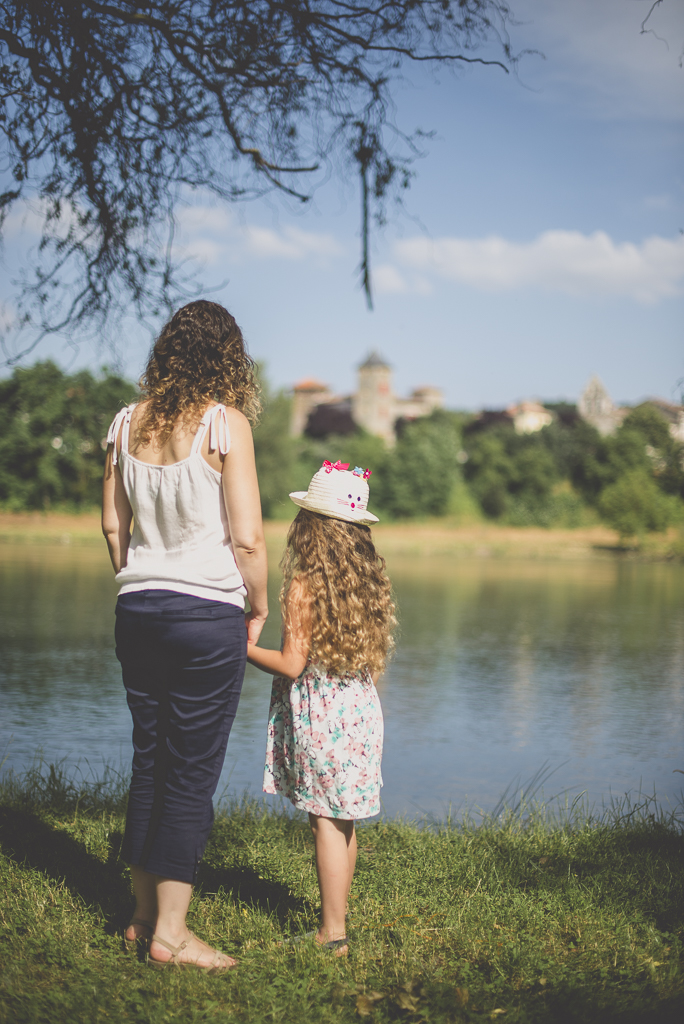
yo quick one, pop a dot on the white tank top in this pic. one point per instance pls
(180, 539)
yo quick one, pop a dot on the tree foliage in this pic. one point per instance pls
(550, 477)
(52, 431)
(423, 468)
(52, 427)
(634, 505)
(111, 111)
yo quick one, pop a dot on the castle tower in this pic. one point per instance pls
(306, 396)
(374, 402)
(596, 407)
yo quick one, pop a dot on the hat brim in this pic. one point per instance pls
(363, 517)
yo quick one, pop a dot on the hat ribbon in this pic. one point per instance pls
(329, 466)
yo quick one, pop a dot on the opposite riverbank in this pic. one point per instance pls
(522, 919)
(441, 537)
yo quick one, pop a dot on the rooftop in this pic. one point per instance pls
(374, 359)
(310, 384)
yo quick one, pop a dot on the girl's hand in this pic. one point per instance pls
(254, 624)
(292, 660)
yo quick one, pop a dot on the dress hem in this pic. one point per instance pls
(310, 807)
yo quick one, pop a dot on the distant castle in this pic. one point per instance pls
(595, 406)
(317, 411)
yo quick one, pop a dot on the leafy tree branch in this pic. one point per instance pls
(111, 113)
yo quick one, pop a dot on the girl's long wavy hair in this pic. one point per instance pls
(352, 614)
(199, 357)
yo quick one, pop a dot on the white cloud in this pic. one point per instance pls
(290, 244)
(26, 220)
(388, 280)
(565, 261)
(214, 235)
(198, 219)
(205, 250)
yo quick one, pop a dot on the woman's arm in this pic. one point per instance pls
(117, 513)
(291, 661)
(243, 506)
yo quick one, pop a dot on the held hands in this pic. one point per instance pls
(254, 624)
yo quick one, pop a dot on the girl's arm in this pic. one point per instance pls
(243, 507)
(291, 661)
(117, 513)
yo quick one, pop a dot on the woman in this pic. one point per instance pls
(180, 466)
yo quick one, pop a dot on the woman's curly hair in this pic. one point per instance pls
(352, 614)
(199, 357)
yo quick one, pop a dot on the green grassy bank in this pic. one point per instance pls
(525, 918)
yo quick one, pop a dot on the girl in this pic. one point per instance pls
(325, 728)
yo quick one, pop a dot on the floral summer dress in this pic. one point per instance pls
(325, 743)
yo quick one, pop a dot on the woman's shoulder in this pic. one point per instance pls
(233, 415)
(118, 421)
(138, 410)
(235, 420)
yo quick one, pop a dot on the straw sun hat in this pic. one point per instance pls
(337, 493)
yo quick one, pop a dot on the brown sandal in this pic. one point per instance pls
(213, 967)
(140, 943)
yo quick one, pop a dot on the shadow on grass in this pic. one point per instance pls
(577, 1004)
(29, 840)
(246, 886)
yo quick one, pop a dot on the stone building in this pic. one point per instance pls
(529, 417)
(306, 395)
(673, 414)
(373, 405)
(596, 407)
(316, 410)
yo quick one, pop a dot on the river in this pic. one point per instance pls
(560, 678)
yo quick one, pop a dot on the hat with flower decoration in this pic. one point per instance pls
(336, 492)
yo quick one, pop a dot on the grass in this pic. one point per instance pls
(442, 537)
(526, 917)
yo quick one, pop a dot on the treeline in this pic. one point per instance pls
(449, 463)
(52, 428)
(568, 473)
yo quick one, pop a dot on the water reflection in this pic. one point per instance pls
(500, 668)
(506, 666)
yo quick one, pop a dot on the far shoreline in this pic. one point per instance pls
(424, 538)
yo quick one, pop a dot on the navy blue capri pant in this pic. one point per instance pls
(183, 662)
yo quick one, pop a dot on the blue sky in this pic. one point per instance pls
(542, 240)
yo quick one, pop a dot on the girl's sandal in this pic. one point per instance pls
(213, 968)
(139, 944)
(297, 940)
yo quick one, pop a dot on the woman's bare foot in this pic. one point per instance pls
(193, 952)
